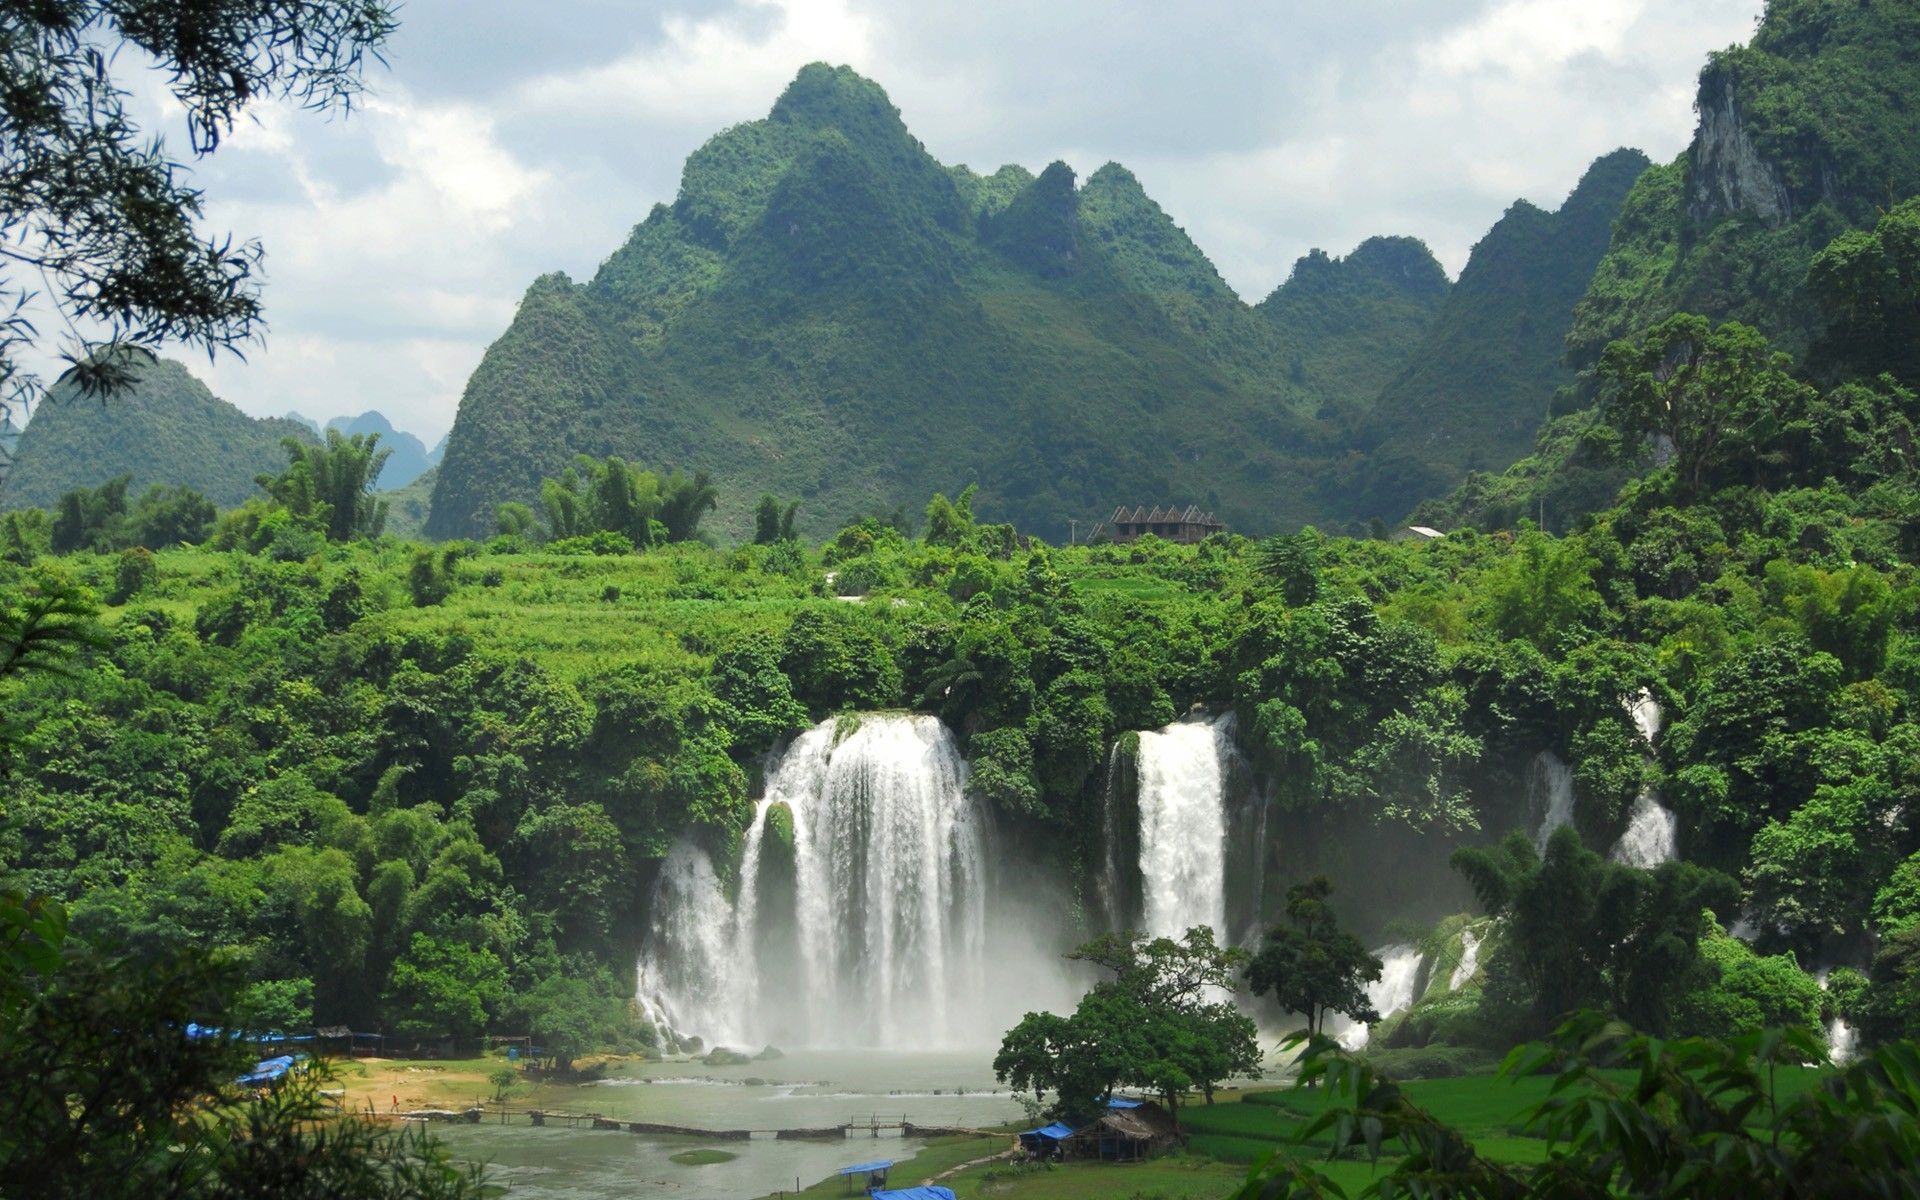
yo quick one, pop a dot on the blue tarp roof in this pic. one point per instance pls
(268, 1069)
(1053, 1132)
(867, 1168)
(914, 1193)
(1122, 1102)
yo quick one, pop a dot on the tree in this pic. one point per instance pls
(1292, 561)
(170, 516)
(91, 518)
(441, 987)
(108, 1094)
(332, 484)
(684, 501)
(569, 1015)
(772, 524)
(1629, 1114)
(101, 222)
(1312, 966)
(1161, 1023)
(1701, 390)
(1542, 592)
(1580, 932)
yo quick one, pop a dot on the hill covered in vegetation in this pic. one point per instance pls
(167, 429)
(822, 288)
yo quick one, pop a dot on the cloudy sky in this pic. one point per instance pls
(506, 139)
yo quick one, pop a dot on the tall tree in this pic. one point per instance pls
(333, 484)
(1702, 391)
(1311, 965)
(1161, 1023)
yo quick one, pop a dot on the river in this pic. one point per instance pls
(805, 1089)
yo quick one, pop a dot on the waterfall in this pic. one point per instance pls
(1650, 835)
(1393, 992)
(1183, 827)
(1646, 714)
(1551, 792)
(887, 907)
(687, 976)
(1842, 1040)
(1469, 961)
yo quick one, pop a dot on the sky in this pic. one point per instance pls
(507, 139)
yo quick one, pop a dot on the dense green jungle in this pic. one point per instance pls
(1555, 684)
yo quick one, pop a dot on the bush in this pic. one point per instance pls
(604, 543)
(134, 571)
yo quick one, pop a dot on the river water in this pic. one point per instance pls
(806, 1089)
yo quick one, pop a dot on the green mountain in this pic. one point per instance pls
(827, 312)
(168, 428)
(1474, 393)
(1806, 134)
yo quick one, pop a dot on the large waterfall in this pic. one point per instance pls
(1183, 827)
(868, 929)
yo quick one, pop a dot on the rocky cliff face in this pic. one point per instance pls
(1726, 173)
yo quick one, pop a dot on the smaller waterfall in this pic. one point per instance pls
(1646, 714)
(1392, 993)
(687, 977)
(1842, 1041)
(1551, 794)
(1469, 961)
(1650, 836)
(1183, 827)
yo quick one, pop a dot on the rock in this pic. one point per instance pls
(723, 1057)
(769, 1054)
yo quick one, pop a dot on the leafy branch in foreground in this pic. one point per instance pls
(1629, 1114)
(97, 212)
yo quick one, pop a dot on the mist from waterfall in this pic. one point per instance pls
(871, 929)
(1183, 827)
(1551, 794)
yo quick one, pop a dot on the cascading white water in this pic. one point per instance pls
(1651, 834)
(1469, 960)
(1183, 826)
(1646, 714)
(1392, 993)
(1652, 830)
(1552, 793)
(1842, 1038)
(888, 906)
(687, 975)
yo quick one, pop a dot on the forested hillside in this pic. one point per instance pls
(822, 286)
(167, 429)
(1474, 393)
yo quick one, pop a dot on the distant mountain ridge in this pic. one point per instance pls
(168, 428)
(828, 313)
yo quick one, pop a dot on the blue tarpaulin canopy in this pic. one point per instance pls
(914, 1193)
(1053, 1133)
(867, 1168)
(1122, 1102)
(269, 1069)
